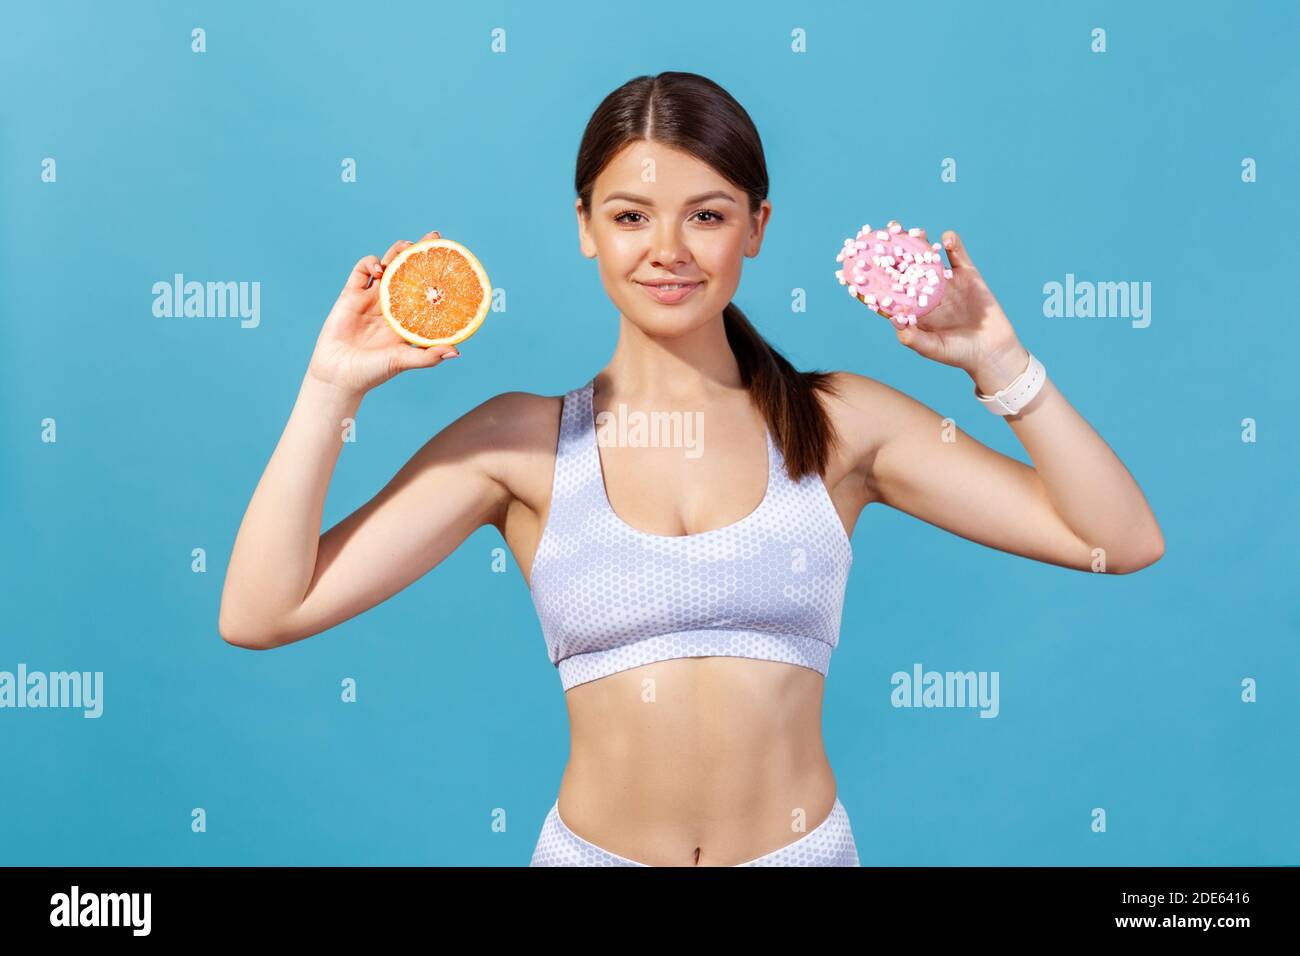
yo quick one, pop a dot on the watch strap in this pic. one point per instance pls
(1019, 393)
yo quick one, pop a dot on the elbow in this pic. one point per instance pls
(239, 636)
(1147, 557)
(242, 626)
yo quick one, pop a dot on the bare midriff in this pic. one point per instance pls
(698, 761)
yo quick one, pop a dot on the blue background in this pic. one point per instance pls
(1121, 692)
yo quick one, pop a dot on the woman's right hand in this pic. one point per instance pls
(357, 349)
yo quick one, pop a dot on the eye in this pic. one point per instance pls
(622, 217)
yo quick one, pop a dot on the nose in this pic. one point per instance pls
(668, 250)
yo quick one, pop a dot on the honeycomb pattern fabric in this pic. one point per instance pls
(610, 597)
(830, 843)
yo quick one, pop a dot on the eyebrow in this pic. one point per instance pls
(629, 197)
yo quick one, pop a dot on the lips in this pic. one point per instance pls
(669, 293)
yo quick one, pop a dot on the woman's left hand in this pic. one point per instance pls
(968, 330)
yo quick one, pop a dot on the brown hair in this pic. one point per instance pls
(692, 113)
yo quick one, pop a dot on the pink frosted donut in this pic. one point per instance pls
(894, 272)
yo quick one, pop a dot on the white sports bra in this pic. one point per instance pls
(611, 597)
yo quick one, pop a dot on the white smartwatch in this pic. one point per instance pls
(1019, 393)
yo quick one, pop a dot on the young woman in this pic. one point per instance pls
(689, 601)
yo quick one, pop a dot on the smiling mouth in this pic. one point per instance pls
(670, 293)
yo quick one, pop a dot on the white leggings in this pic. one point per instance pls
(830, 843)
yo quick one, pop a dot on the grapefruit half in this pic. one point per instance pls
(435, 293)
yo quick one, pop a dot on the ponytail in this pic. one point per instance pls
(786, 397)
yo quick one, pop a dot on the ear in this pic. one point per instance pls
(758, 225)
(585, 242)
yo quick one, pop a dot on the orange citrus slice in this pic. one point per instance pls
(435, 293)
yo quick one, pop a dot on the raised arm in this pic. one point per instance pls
(1077, 497)
(1077, 506)
(286, 580)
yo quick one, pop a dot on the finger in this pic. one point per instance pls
(946, 315)
(394, 249)
(932, 326)
(408, 357)
(365, 269)
(957, 253)
(919, 340)
(430, 235)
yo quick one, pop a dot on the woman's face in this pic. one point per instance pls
(661, 214)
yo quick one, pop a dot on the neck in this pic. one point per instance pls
(676, 370)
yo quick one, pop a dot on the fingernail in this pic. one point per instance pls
(451, 355)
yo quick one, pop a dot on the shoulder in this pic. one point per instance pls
(867, 414)
(513, 435)
(864, 403)
(509, 415)
(510, 424)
